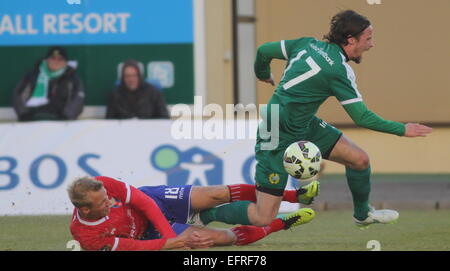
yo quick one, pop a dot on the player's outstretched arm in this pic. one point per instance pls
(363, 117)
(416, 129)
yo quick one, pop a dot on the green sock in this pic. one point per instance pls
(359, 184)
(231, 213)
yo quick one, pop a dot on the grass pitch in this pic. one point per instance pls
(329, 231)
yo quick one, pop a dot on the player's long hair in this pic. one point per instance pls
(344, 25)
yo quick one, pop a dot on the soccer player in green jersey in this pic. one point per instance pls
(316, 70)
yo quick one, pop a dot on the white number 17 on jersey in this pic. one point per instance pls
(302, 77)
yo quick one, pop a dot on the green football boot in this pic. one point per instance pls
(306, 193)
(299, 217)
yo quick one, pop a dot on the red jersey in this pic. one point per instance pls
(126, 222)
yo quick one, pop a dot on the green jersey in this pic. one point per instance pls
(315, 70)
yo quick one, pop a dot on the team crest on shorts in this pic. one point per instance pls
(274, 178)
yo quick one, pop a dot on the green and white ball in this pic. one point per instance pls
(302, 160)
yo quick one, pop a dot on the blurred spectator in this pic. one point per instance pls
(51, 91)
(135, 98)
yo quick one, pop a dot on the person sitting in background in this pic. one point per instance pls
(51, 91)
(135, 98)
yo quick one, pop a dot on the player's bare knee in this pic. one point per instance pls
(362, 162)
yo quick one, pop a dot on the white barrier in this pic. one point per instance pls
(39, 159)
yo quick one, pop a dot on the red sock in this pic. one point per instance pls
(249, 234)
(242, 192)
(290, 195)
(248, 192)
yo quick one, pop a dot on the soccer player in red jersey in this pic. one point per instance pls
(112, 215)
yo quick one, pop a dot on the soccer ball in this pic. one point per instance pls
(302, 160)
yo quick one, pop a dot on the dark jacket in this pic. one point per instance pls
(65, 94)
(146, 102)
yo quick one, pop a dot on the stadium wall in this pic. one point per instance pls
(219, 47)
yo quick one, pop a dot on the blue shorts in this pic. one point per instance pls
(175, 204)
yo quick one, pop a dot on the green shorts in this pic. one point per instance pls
(271, 176)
